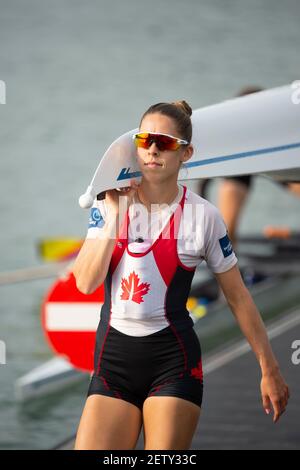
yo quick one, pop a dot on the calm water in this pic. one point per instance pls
(78, 74)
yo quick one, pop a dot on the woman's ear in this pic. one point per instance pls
(188, 153)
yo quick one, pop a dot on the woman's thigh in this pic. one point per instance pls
(108, 423)
(169, 423)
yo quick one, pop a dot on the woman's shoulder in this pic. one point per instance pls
(197, 200)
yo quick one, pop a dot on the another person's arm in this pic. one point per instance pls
(232, 196)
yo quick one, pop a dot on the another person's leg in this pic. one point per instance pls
(202, 187)
(233, 193)
(294, 188)
(108, 423)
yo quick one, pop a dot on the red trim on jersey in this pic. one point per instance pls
(163, 232)
(106, 334)
(119, 246)
(102, 349)
(165, 255)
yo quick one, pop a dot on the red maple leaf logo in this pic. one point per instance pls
(197, 372)
(132, 290)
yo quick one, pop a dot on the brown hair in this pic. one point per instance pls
(179, 111)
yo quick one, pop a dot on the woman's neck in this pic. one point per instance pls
(157, 194)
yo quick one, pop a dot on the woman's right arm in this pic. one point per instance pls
(92, 263)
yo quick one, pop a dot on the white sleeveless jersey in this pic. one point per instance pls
(148, 282)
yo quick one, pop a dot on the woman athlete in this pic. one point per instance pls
(147, 362)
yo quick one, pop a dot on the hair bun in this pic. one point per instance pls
(184, 106)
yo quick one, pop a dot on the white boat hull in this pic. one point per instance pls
(252, 134)
(54, 375)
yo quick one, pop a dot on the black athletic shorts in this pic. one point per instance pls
(132, 368)
(244, 179)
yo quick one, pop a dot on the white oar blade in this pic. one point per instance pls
(117, 166)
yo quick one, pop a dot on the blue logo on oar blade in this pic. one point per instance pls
(125, 174)
(226, 246)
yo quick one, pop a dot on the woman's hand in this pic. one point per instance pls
(274, 391)
(115, 199)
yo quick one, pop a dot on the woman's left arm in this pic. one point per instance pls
(274, 390)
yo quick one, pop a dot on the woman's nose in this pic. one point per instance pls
(153, 148)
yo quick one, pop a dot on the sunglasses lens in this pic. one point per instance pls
(163, 142)
(142, 140)
(167, 143)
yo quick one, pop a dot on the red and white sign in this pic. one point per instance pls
(70, 320)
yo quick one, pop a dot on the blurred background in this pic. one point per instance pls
(79, 74)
